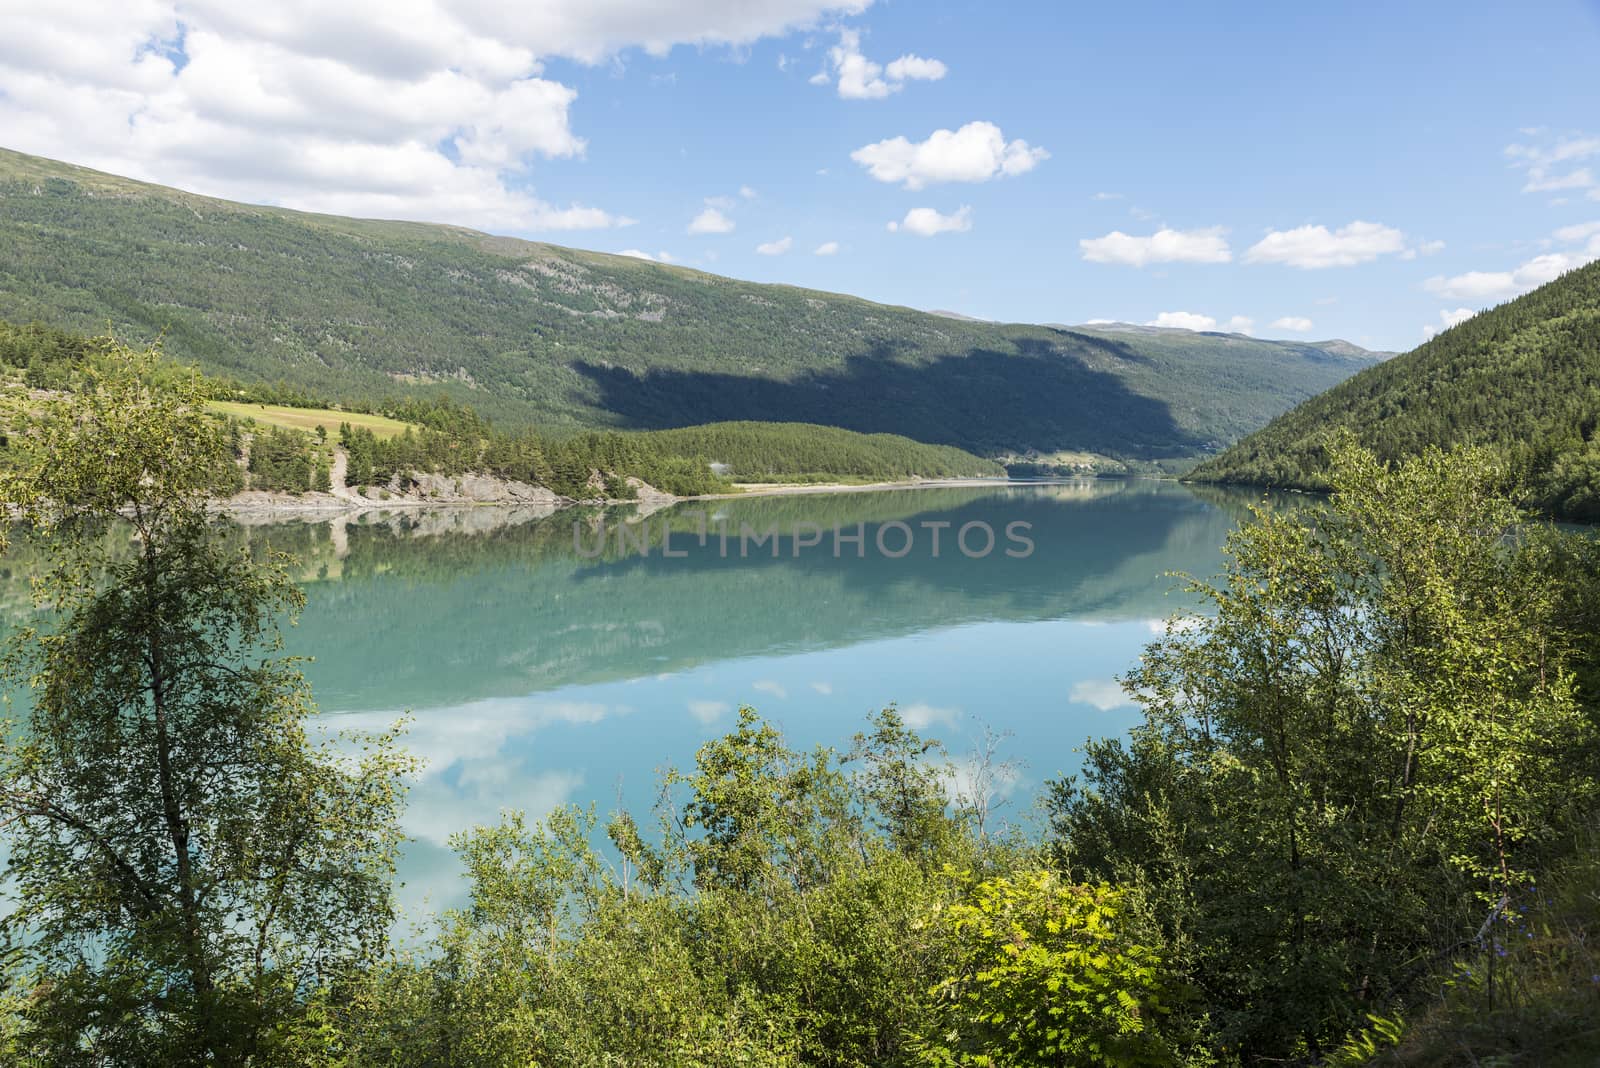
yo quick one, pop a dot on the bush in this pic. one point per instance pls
(1049, 974)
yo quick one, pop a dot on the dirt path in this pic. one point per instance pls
(336, 475)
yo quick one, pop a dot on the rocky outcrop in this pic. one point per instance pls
(421, 490)
(477, 489)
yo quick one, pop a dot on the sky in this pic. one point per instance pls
(1372, 171)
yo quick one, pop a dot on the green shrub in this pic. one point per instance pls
(1049, 974)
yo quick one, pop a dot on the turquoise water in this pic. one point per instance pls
(543, 665)
(538, 676)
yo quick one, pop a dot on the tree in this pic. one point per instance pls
(193, 873)
(282, 460)
(769, 924)
(1370, 743)
(760, 812)
(901, 779)
(1050, 974)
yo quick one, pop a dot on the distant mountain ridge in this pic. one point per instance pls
(1521, 380)
(526, 332)
(1333, 346)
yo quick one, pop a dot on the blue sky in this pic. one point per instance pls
(1358, 170)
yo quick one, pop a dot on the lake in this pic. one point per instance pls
(547, 659)
(543, 665)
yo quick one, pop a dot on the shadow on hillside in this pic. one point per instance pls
(986, 401)
(1118, 349)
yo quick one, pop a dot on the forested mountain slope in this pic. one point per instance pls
(524, 332)
(1522, 379)
(290, 448)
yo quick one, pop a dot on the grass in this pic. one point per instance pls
(1544, 1008)
(309, 419)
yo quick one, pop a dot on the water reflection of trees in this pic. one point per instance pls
(411, 610)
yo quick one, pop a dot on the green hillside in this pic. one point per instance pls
(1522, 379)
(290, 444)
(365, 311)
(755, 451)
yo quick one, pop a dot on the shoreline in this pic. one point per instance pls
(783, 489)
(264, 505)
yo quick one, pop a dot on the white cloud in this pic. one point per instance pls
(824, 688)
(827, 248)
(476, 730)
(1447, 319)
(1577, 232)
(910, 68)
(975, 153)
(771, 687)
(860, 78)
(640, 254)
(435, 110)
(529, 116)
(746, 192)
(1550, 164)
(1103, 694)
(1182, 320)
(1106, 196)
(775, 248)
(1582, 178)
(926, 222)
(967, 778)
(1298, 324)
(711, 221)
(1474, 285)
(1500, 285)
(590, 31)
(708, 712)
(1163, 246)
(920, 716)
(467, 758)
(1313, 247)
(547, 217)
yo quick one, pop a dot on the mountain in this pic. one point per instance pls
(1332, 347)
(363, 311)
(1522, 380)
